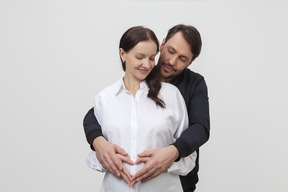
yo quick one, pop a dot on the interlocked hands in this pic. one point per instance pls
(112, 157)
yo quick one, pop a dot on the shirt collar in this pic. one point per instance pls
(120, 86)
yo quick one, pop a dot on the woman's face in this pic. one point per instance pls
(140, 60)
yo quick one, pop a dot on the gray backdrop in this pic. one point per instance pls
(56, 55)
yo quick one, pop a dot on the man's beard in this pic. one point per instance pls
(161, 70)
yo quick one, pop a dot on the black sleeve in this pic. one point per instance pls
(91, 127)
(199, 121)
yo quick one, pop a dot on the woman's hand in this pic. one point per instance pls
(127, 177)
(111, 157)
(106, 153)
(156, 162)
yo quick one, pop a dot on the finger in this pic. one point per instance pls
(108, 163)
(133, 183)
(111, 167)
(117, 162)
(142, 159)
(146, 175)
(145, 154)
(126, 172)
(120, 150)
(155, 174)
(146, 169)
(125, 178)
(125, 159)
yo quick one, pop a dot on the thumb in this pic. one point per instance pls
(120, 150)
(145, 154)
(125, 159)
(142, 159)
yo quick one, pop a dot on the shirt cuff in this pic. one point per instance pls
(93, 162)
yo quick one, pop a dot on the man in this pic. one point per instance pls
(178, 50)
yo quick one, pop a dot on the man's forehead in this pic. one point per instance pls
(179, 44)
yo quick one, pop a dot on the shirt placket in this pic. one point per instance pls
(134, 133)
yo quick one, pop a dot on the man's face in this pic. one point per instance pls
(175, 56)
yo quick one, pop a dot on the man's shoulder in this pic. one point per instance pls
(188, 73)
(188, 78)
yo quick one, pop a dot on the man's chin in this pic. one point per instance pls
(166, 77)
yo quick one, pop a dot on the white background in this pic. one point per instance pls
(55, 55)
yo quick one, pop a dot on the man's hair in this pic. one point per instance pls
(190, 34)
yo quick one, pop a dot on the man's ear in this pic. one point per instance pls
(162, 44)
(190, 62)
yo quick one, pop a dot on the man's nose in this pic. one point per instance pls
(173, 60)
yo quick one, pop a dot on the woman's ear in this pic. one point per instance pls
(122, 54)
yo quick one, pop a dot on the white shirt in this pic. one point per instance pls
(136, 124)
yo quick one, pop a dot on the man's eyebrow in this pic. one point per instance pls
(184, 57)
(170, 47)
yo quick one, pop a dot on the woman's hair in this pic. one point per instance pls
(191, 35)
(130, 39)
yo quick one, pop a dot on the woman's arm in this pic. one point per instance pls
(184, 165)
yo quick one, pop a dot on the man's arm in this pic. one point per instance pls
(190, 140)
(198, 131)
(91, 127)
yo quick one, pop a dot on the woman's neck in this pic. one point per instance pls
(131, 84)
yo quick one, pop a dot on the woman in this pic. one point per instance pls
(140, 113)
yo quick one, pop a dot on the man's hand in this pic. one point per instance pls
(156, 162)
(106, 153)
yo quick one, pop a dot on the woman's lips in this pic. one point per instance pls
(144, 71)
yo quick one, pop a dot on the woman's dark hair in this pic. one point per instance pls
(130, 39)
(191, 35)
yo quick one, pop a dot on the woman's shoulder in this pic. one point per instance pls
(110, 90)
(171, 96)
(168, 87)
(169, 91)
